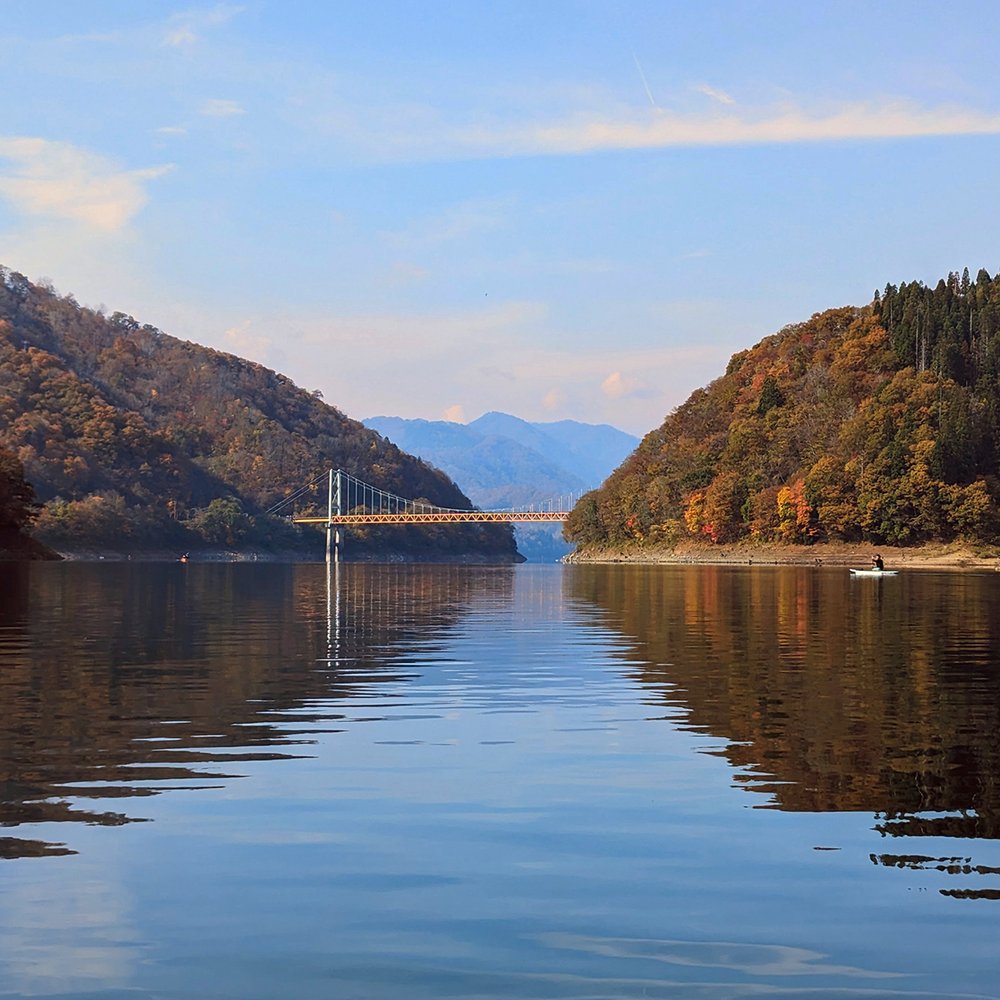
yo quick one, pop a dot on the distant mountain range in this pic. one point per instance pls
(500, 460)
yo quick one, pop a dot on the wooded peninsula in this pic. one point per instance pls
(875, 425)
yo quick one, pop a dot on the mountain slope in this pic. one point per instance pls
(877, 424)
(129, 435)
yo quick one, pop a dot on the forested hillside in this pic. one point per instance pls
(876, 424)
(134, 440)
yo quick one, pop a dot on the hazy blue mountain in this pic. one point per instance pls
(502, 461)
(498, 471)
(589, 451)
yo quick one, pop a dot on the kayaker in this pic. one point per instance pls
(877, 562)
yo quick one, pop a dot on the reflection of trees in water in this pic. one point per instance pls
(871, 695)
(123, 681)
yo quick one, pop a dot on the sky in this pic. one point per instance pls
(555, 209)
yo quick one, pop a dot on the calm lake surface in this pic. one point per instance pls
(255, 781)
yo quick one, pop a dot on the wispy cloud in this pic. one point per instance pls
(717, 95)
(731, 124)
(789, 125)
(180, 36)
(187, 28)
(221, 108)
(60, 180)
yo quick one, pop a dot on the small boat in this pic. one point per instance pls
(873, 572)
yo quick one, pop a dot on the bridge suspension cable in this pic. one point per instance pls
(302, 492)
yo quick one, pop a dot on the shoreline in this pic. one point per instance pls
(935, 555)
(280, 556)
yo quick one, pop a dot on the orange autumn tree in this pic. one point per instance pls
(795, 514)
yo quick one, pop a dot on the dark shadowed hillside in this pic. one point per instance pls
(17, 511)
(876, 424)
(134, 441)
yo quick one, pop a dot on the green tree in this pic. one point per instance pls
(222, 522)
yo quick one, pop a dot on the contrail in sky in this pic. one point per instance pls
(642, 76)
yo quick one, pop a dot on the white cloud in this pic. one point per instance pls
(588, 131)
(222, 108)
(456, 414)
(619, 386)
(717, 95)
(187, 28)
(179, 36)
(59, 180)
(790, 125)
(171, 130)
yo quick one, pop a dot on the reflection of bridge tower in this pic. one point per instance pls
(372, 612)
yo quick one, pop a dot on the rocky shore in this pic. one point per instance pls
(950, 556)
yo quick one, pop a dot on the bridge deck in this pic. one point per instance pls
(441, 517)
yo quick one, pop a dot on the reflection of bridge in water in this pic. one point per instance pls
(350, 501)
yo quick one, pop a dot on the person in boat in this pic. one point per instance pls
(877, 562)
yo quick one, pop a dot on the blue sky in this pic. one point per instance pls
(434, 209)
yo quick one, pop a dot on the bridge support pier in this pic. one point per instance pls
(333, 503)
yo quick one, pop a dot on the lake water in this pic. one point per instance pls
(408, 782)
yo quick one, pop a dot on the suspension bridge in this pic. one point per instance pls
(350, 501)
